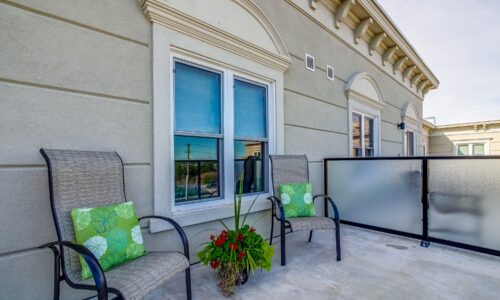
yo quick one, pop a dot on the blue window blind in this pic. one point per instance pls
(197, 99)
(250, 110)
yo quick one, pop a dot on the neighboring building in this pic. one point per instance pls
(183, 91)
(473, 138)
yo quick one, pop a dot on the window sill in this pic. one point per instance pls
(199, 215)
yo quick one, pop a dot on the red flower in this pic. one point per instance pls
(212, 237)
(233, 246)
(252, 229)
(214, 264)
(240, 237)
(241, 254)
(220, 241)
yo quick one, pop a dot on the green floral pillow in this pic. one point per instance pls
(111, 232)
(297, 200)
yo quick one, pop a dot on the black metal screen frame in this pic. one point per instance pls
(424, 237)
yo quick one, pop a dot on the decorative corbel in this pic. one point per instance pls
(415, 79)
(388, 54)
(421, 85)
(313, 4)
(399, 63)
(427, 89)
(362, 28)
(375, 42)
(407, 72)
(342, 11)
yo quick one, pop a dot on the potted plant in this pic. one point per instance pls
(234, 253)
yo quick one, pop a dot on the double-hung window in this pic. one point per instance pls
(409, 142)
(214, 111)
(363, 135)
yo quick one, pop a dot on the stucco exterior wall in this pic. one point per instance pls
(78, 75)
(442, 141)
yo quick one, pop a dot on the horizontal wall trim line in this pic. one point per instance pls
(317, 129)
(341, 79)
(394, 142)
(313, 98)
(75, 23)
(69, 90)
(328, 30)
(385, 121)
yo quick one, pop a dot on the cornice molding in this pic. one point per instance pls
(379, 16)
(160, 12)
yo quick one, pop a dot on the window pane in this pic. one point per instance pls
(410, 140)
(249, 110)
(368, 137)
(196, 168)
(356, 135)
(249, 161)
(478, 149)
(197, 99)
(463, 149)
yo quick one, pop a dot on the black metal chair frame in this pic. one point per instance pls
(285, 224)
(58, 248)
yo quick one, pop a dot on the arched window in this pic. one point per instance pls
(365, 103)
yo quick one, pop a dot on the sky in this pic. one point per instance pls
(460, 41)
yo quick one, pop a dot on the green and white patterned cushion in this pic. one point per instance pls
(297, 200)
(111, 232)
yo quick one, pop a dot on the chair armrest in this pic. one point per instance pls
(332, 203)
(277, 202)
(177, 227)
(90, 259)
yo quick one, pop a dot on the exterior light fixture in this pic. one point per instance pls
(402, 125)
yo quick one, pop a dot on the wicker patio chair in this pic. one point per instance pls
(295, 169)
(80, 179)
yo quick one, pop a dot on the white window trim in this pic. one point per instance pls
(359, 108)
(470, 143)
(165, 43)
(227, 159)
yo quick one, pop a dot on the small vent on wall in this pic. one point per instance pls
(309, 62)
(330, 73)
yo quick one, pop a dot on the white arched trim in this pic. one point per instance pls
(362, 87)
(259, 42)
(410, 113)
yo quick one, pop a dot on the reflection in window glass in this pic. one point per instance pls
(463, 149)
(478, 149)
(410, 143)
(356, 135)
(250, 136)
(196, 168)
(368, 136)
(248, 161)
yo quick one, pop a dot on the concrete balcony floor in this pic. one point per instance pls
(374, 266)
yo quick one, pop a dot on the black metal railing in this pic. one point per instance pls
(448, 199)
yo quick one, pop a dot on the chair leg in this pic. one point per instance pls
(272, 231)
(188, 283)
(337, 238)
(283, 255)
(310, 236)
